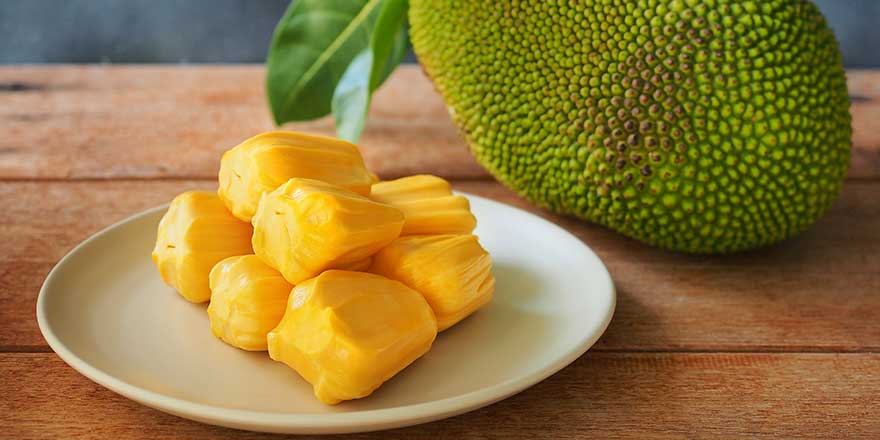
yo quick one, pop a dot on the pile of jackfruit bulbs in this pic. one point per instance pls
(302, 252)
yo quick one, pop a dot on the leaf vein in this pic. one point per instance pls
(355, 23)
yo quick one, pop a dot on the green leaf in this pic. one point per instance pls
(312, 46)
(351, 101)
(398, 51)
(389, 41)
(388, 45)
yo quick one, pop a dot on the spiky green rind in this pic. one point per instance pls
(698, 126)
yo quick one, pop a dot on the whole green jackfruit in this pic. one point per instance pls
(705, 126)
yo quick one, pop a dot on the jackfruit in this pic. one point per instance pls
(307, 226)
(357, 266)
(698, 126)
(263, 162)
(194, 234)
(348, 332)
(427, 204)
(248, 300)
(453, 272)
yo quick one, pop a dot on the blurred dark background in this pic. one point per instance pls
(238, 31)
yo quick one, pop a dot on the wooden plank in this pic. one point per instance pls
(864, 91)
(174, 121)
(601, 395)
(170, 121)
(816, 292)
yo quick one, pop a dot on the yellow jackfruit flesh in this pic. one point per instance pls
(405, 189)
(453, 272)
(195, 233)
(348, 332)
(307, 226)
(358, 266)
(248, 299)
(428, 205)
(264, 162)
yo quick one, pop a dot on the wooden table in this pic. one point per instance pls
(780, 342)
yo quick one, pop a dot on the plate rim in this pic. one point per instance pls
(341, 422)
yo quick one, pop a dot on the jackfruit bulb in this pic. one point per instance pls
(263, 162)
(248, 299)
(427, 204)
(453, 272)
(358, 266)
(348, 332)
(195, 233)
(695, 125)
(307, 226)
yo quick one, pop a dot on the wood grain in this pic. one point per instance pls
(601, 395)
(171, 121)
(99, 122)
(817, 292)
(864, 91)
(780, 342)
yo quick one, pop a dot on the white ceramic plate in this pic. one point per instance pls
(106, 312)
